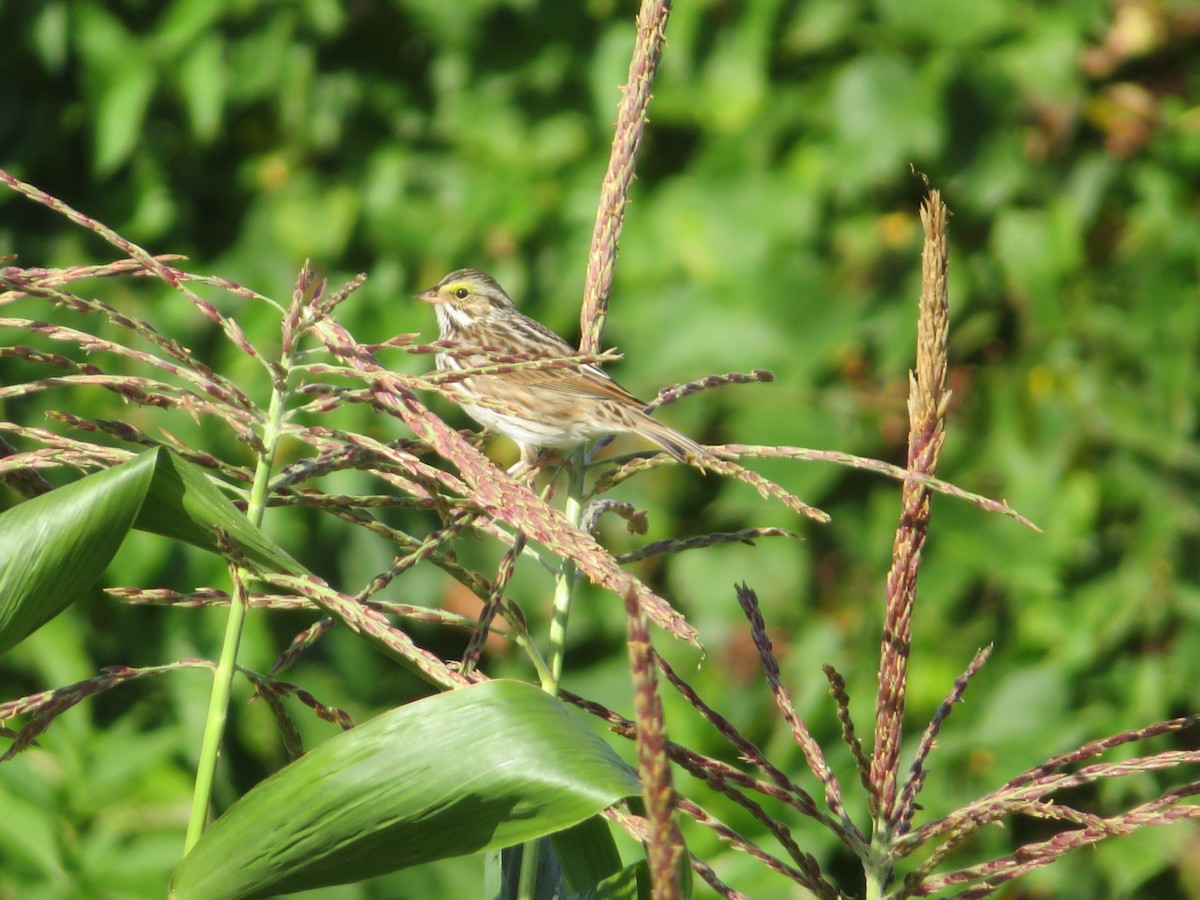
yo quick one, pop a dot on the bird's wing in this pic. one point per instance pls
(583, 382)
(523, 335)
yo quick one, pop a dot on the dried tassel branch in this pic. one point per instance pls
(926, 410)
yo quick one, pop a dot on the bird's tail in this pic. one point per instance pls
(679, 445)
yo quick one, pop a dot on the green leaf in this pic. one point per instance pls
(318, 220)
(184, 22)
(49, 35)
(503, 875)
(587, 853)
(54, 546)
(120, 111)
(630, 883)
(571, 863)
(944, 23)
(202, 86)
(184, 504)
(885, 114)
(463, 772)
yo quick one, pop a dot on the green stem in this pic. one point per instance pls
(530, 859)
(218, 701)
(877, 865)
(522, 640)
(568, 575)
(564, 590)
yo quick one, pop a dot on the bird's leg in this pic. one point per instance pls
(530, 462)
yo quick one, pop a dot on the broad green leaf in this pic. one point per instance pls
(462, 772)
(182, 503)
(587, 853)
(54, 546)
(571, 863)
(631, 883)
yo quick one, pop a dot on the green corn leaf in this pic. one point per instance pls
(587, 854)
(467, 771)
(55, 546)
(182, 503)
(631, 883)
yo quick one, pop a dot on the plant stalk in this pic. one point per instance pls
(568, 574)
(564, 591)
(218, 702)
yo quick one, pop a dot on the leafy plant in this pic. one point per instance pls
(166, 386)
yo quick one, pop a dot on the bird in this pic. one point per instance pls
(534, 407)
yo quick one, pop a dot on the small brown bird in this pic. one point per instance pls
(559, 408)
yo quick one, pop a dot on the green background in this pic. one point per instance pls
(773, 224)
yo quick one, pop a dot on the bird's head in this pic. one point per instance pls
(466, 296)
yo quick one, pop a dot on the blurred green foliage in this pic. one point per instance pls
(773, 224)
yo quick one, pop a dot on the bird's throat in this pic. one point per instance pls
(451, 319)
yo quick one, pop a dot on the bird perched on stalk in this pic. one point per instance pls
(535, 407)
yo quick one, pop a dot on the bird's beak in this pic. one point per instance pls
(429, 296)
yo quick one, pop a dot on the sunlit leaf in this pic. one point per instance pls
(462, 772)
(184, 504)
(54, 546)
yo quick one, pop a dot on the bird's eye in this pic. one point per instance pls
(461, 293)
